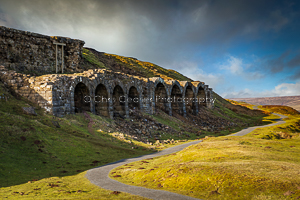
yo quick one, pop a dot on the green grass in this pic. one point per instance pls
(247, 167)
(33, 148)
(92, 59)
(146, 69)
(68, 187)
(284, 110)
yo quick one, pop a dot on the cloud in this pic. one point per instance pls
(284, 89)
(238, 68)
(194, 71)
(284, 62)
(296, 76)
(276, 64)
(157, 31)
(295, 62)
(235, 65)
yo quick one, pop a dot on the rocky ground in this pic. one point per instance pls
(147, 129)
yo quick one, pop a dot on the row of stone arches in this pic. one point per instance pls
(115, 100)
(102, 100)
(189, 93)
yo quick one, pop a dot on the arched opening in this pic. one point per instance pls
(133, 99)
(189, 100)
(201, 97)
(161, 97)
(176, 98)
(119, 102)
(101, 100)
(82, 98)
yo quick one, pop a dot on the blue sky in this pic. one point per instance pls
(241, 48)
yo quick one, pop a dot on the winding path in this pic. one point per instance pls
(99, 176)
(250, 129)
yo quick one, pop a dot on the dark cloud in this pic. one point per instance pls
(285, 61)
(295, 62)
(277, 64)
(155, 30)
(295, 77)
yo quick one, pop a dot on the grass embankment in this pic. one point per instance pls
(265, 164)
(33, 148)
(68, 187)
(129, 65)
(44, 157)
(91, 59)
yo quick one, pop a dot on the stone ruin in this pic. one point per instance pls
(100, 91)
(26, 52)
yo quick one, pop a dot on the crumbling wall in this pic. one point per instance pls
(34, 53)
(62, 94)
(36, 89)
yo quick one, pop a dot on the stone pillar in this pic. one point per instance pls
(151, 96)
(183, 105)
(126, 106)
(196, 111)
(72, 103)
(142, 107)
(110, 105)
(169, 105)
(92, 100)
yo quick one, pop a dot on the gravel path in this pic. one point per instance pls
(250, 129)
(99, 175)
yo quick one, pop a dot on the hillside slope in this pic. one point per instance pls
(128, 65)
(292, 101)
(35, 147)
(263, 164)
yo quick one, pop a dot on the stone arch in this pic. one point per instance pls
(161, 96)
(118, 102)
(102, 100)
(201, 95)
(133, 98)
(189, 97)
(82, 98)
(176, 99)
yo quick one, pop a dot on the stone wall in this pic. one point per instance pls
(35, 89)
(62, 94)
(24, 51)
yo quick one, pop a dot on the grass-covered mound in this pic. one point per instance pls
(247, 167)
(44, 156)
(67, 187)
(35, 147)
(284, 110)
(128, 65)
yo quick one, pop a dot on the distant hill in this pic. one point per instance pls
(292, 101)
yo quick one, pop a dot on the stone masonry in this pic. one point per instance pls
(31, 52)
(100, 91)
(57, 93)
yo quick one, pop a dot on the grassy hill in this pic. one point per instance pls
(264, 164)
(46, 157)
(291, 101)
(128, 65)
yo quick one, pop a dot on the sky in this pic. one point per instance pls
(240, 48)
